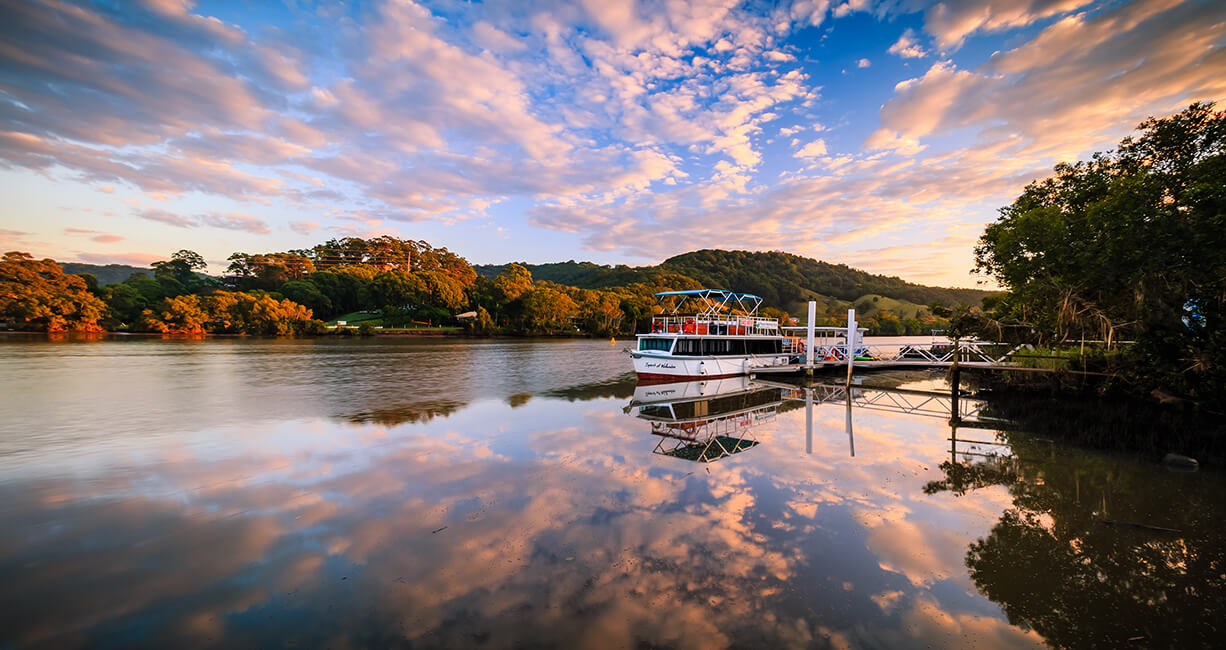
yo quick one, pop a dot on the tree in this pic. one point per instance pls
(547, 309)
(1127, 245)
(482, 325)
(512, 283)
(397, 289)
(38, 294)
(124, 304)
(181, 267)
(307, 293)
(178, 315)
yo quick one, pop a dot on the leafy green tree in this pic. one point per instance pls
(38, 294)
(181, 268)
(1127, 245)
(307, 293)
(547, 309)
(268, 270)
(512, 283)
(91, 282)
(398, 289)
(124, 303)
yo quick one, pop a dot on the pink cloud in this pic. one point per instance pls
(235, 221)
(168, 218)
(135, 259)
(303, 227)
(226, 221)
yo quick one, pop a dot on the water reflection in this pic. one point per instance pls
(705, 421)
(496, 513)
(1089, 554)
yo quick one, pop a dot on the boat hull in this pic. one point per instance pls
(662, 368)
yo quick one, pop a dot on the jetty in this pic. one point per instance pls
(838, 347)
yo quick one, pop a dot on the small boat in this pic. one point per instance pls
(709, 334)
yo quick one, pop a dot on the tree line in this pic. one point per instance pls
(401, 282)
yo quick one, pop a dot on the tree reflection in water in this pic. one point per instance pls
(1054, 564)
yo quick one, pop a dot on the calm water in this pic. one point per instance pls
(376, 493)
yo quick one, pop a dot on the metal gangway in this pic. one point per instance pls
(832, 347)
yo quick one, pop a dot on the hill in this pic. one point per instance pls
(783, 280)
(106, 274)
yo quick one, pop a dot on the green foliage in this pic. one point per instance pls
(482, 325)
(124, 303)
(513, 282)
(181, 269)
(37, 294)
(1127, 245)
(308, 294)
(548, 310)
(784, 279)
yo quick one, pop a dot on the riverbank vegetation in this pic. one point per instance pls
(388, 285)
(1127, 246)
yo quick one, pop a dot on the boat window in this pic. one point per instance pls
(688, 347)
(723, 347)
(655, 344)
(765, 346)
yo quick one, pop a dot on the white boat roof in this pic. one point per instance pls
(713, 300)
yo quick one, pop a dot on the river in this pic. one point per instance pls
(519, 493)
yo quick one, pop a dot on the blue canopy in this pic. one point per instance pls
(710, 292)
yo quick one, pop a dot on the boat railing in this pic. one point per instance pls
(720, 325)
(829, 343)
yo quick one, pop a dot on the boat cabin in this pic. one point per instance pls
(711, 322)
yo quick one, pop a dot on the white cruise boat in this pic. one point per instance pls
(708, 334)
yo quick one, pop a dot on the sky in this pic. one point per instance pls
(882, 135)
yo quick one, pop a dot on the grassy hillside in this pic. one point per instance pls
(783, 280)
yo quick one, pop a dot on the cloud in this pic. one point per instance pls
(225, 221)
(100, 237)
(952, 21)
(907, 46)
(303, 227)
(235, 221)
(863, 63)
(812, 149)
(168, 218)
(134, 259)
(1079, 82)
(492, 38)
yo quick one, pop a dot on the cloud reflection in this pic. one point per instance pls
(547, 524)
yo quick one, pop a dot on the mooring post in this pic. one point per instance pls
(851, 344)
(954, 376)
(809, 339)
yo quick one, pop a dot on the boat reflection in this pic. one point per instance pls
(705, 421)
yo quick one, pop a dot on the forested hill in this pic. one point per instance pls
(106, 274)
(782, 279)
